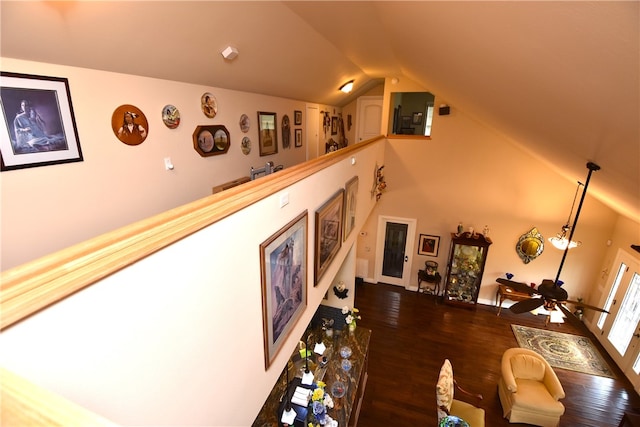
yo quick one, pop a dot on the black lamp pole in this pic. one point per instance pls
(592, 167)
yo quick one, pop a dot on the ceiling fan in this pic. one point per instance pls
(550, 292)
(548, 295)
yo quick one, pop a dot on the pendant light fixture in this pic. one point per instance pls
(592, 168)
(560, 240)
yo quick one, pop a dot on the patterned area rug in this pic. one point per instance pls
(564, 351)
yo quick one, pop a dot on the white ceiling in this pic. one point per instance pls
(561, 79)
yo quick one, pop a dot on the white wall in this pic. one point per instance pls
(45, 209)
(176, 338)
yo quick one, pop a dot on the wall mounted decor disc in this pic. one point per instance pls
(170, 116)
(246, 145)
(209, 105)
(129, 124)
(245, 123)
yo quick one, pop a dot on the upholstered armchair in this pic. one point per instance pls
(529, 390)
(447, 405)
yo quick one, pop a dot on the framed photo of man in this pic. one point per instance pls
(38, 125)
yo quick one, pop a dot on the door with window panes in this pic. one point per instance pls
(619, 331)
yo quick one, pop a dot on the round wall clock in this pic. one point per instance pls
(129, 124)
(246, 145)
(209, 105)
(245, 123)
(170, 116)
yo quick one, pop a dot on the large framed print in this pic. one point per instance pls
(283, 265)
(350, 199)
(328, 233)
(38, 123)
(267, 133)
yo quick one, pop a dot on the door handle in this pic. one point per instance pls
(636, 335)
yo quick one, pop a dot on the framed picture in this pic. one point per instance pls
(350, 199)
(417, 118)
(38, 123)
(297, 117)
(428, 245)
(267, 133)
(328, 233)
(298, 137)
(283, 271)
(211, 140)
(334, 125)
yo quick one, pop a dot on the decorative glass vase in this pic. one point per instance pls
(352, 326)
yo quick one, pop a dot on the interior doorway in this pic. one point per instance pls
(394, 249)
(619, 331)
(369, 117)
(312, 131)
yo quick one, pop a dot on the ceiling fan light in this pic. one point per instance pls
(347, 87)
(556, 317)
(561, 242)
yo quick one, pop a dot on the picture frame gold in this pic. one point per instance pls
(350, 202)
(329, 220)
(267, 133)
(283, 272)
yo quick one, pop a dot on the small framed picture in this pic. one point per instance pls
(298, 137)
(428, 245)
(297, 117)
(334, 125)
(417, 118)
(38, 124)
(267, 133)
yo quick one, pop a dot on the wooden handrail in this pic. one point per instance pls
(26, 404)
(35, 285)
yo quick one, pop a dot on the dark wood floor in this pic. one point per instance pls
(412, 335)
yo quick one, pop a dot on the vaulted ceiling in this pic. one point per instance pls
(561, 79)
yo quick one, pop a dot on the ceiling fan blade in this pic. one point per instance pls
(573, 320)
(583, 305)
(517, 286)
(526, 305)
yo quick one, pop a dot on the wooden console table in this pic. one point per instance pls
(505, 292)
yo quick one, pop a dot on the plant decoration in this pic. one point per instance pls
(352, 315)
(320, 402)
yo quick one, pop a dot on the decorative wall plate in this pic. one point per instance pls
(129, 124)
(170, 116)
(246, 145)
(245, 123)
(209, 105)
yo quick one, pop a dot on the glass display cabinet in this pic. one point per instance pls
(465, 267)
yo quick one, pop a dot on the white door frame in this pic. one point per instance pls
(411, 237)
(312, 120)
(626, 362)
